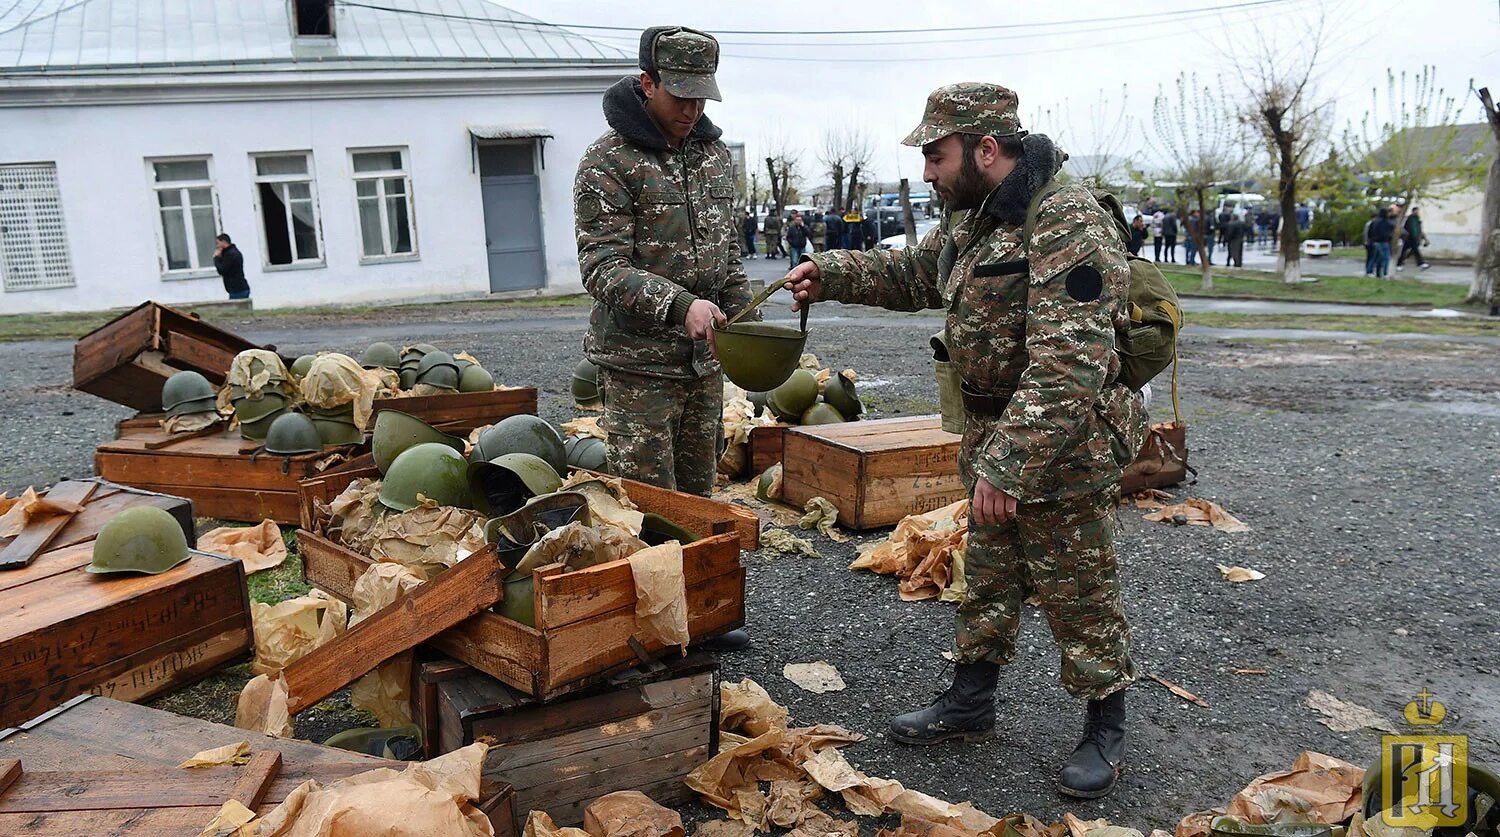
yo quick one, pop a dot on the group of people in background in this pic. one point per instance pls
(1380, 231)
(1230, 228)
(799, 236)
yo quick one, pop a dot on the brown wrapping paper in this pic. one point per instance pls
(257, 547)
(661, 611)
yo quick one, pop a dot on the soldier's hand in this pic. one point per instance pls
(701, 315)
(805, 282)
(991, 506)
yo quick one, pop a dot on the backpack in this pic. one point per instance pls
(1149, 344)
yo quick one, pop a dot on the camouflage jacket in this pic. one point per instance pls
(1040, 331)
(656, 231)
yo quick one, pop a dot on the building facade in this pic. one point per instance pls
(418, 149)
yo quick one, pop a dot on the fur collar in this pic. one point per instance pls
(1041, 159)
(625, 111)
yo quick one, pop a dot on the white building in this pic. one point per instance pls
(355, 150)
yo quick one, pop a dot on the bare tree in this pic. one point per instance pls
(1098, 141)
(1201, 146)
(1412, 152)
(845, 150)
(783, 165)
(1291, 117)
(1487, 263)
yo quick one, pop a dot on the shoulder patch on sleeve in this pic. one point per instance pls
(589, 207)
(1085, 283)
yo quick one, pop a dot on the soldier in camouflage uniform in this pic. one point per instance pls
(659, 249)
(1030, 327)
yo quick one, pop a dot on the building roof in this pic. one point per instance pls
(1469, 142)
(126, 35)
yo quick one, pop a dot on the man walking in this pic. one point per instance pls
(1169, 235)
(796, 239)
(1413, 241)
(1031, 323)
(747, 229)
(1234, 239)
(1381, 231)
(835, 235)
(230, 263)
(1193, 233)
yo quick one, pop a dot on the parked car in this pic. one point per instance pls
(896, 242)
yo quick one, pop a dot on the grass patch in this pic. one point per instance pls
(281, 582)
(1346, 289)
(1371, 325)
(893, 403)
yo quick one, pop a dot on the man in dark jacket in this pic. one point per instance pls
(1234, 238)
(1413, 242)
(796, 239)
(835, 234)
(1381, 230)
(1169, 236)
(231, 266)
(747, 233)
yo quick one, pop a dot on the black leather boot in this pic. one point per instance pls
(735, 640)
(966, 710)
(1094, 767)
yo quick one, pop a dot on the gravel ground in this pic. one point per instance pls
(1367, 472)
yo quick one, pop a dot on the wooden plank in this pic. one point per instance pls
(33, 539)
(470, 586)
(96, 790)
(696, 514)
(570, 597)
(200, 462)
(586, 787)
(765, 447)
(249, 505)
(671, 792)
(630, 739)
(191, 351)
(109, 500)
(255, 780)
(159, 822)
(111, 345)
(10, 771)
(488, 715)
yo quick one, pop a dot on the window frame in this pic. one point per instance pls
(310, 177)
(36, 239)
(201, 271)
(379, 177)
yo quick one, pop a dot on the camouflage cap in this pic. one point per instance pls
(685, 59)
(969, 107)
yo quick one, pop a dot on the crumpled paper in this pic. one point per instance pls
(782, 542)
(239, 375)
(1343, 716)
(539, 824)
(427, 540)
(257, 547)
(353, 515)
(236, 753)
(740, 419)
(817, 677)
(721, 828)
(585, 426)
(231, 820)
(630, 814)
(191, 422)
(262, 707)
(864, 795)
(1240, 574)
(1318, 788)
(335, 380)
(747, 708)
(920, 551)
(661, 611)
(822, 515)
(287, 631)
(16, 512)
(431, 797)
(608, 500)
(384, 692)
(1198, 512)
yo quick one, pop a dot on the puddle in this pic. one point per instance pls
(1448, 402)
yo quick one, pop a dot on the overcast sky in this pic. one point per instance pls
(779, 85)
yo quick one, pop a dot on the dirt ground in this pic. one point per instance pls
(1367, 472)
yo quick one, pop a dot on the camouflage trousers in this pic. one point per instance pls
(1063, 552)
(663, 431)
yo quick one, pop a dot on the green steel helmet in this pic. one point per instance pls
(187, 392)
(337, 431)
(657, 530)
(522, 434)
(253, 409)
(586, 384)
(589, 454)
(301, 365)
(438, 369)
(506, 482)
(401, 743)
(522, 527)
(396, 431)
(258, 429)
(475, 378)
(291, 434)
(382, 355)
(432, 470)
(821, 414)
(144, 539)
(792, 398)
(273, 375)
(840, 393)
(408, 377)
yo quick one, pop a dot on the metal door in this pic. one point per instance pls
(513, 231)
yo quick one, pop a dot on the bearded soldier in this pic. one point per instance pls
(1031, 319)
(659, 250)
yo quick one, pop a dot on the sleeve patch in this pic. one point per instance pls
(1085, 283)
(589, 207)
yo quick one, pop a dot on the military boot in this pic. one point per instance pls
(966, 710)
(1094, 767)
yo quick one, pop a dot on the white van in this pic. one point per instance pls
(1248, 201)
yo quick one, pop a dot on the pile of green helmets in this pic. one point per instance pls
(381, 355)
(411, 358)
(418, 460)
(586, 452)
(187, 393)
(293, 434)
(518, 458)
(424, 363)
(256, 415)
(796, 400)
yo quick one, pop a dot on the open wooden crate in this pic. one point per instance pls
(460, 412)
(585, 619)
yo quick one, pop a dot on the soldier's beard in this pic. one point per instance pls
(970, 188)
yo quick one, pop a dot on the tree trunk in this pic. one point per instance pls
(1291, 231)
(838, 185)
(778, 186)
(1487, 261)
(906, 213)
(850, 197)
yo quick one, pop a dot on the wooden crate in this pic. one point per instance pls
(766, 447)
(65, 631)
(460, 412)
(875, 472)
(1162, 461)
(118, 763)
(129, 358)
(585, 619)
(644, 731)
(218, 473)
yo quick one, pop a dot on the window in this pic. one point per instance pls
(314, 18)
(497, 159)
(33, 243)
(382, 196)
(189, 214)
(288, 209)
